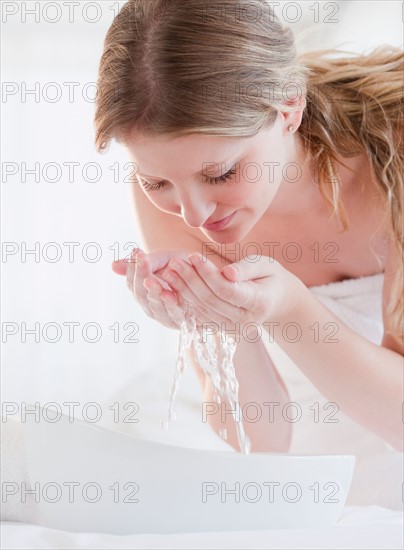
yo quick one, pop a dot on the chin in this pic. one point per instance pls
(229, 236)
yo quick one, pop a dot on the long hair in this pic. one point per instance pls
(176, 68)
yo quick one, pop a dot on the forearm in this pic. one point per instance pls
(259, 383)
(364, 379)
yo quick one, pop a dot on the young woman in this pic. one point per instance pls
(242, 148)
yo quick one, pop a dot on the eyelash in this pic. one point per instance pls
(213, 181)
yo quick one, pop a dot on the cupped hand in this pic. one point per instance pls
(254, 291)
(248, 291)
(144, 279)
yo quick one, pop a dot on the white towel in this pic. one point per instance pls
(378, 474)
(358, 302)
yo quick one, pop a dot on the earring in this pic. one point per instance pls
(291, 128)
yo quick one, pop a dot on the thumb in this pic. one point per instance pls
(120, 266)
(250, 268)
(160, 258)
(231, 272)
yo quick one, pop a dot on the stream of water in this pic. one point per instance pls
(214, 355)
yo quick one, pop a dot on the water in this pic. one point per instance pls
(215, 358)
(185, 343)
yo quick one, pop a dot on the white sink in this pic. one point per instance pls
(120, 484)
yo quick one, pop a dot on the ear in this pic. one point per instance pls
(293, 118)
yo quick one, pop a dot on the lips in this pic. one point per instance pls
(220, 224)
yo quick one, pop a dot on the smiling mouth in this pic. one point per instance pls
(220, 224)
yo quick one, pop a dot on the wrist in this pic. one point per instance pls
(295, 306)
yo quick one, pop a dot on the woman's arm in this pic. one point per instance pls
(364, 379)
(259, 383)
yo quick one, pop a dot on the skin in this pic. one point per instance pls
(251, 191)
(266, 193)
(181, 190)
(267, 291)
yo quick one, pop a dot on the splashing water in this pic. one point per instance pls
(216, 360)
(185, 343)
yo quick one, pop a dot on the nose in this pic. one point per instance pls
(195, 210)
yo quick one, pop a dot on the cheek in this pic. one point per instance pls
(164, 202)
(240, 195)
(252, 191)
(232, 196)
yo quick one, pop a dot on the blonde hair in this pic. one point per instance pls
(178, 67)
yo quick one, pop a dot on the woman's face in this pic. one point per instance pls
(177, 176)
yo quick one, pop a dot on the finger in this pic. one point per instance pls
(166, 304)
(178, 313)
(249, 268)
(160, 258)
(153, 282)
(156, 261)
(142, 270)
(131, 267)
(185, 291)
(153, 293)
(236, 293)
(176, 306)
(174, 309)
(156, 305)
(149, 300)
(181, 288)
(150, 294)
(210, 287)
(119, 267)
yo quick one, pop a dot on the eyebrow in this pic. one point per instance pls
(201, 172)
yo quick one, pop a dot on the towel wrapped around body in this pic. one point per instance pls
(322, 428)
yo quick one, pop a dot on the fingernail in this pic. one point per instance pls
(234, 268)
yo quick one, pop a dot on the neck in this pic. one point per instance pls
(301, 192)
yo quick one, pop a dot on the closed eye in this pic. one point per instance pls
(223, 178)
(213, 181)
